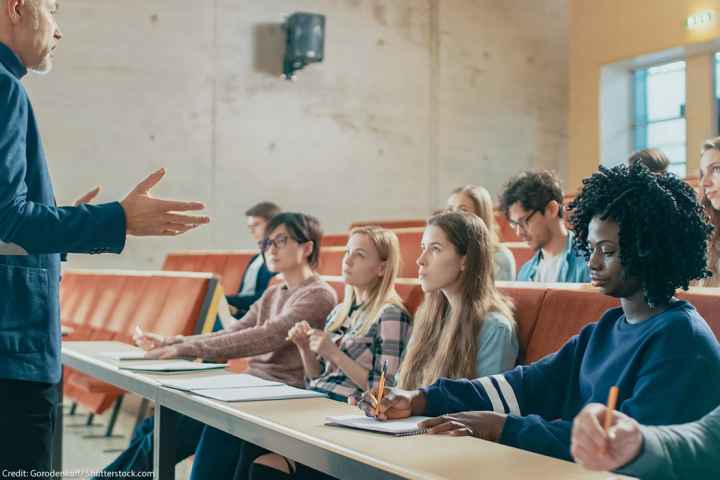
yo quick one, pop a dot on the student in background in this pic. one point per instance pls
(257, 277)
(464, 327)
(654, 159)
(661, 453)
(368, 330)
(644, 236)
(533, 204)
(477, 200)
(710, 192)
(291, 248)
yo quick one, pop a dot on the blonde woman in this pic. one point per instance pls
(465, 326)
(369, 330)
(710, 188)
(477, 200)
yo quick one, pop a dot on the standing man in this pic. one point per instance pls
(33, 233)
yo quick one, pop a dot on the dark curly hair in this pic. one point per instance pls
(534, 189)
(662, 228)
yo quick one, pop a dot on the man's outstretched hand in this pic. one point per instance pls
(148, 216)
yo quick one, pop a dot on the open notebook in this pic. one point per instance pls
(399, 428)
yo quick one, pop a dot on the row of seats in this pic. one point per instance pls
(548, 314)
(107, 305)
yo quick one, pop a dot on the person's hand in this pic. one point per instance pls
(321, 343)
(396, 403)
(150, 341)
(163, 353)
(596, 450)
(233, 310)
(148, 216)
(88, 197)
(298, 334)
(485, 425)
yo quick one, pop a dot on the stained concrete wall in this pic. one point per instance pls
(414, 98)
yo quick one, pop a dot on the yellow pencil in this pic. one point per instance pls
(381, 388)
(611, 404)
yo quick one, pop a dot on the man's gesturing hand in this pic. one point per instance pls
(148, 216)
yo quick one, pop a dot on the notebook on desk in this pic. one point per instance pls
(169, 366)
(399, 428)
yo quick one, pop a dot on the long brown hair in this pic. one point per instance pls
(714, 217)
(382, 293)
(444, 343)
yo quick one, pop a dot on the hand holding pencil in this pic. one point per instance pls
(603, 438)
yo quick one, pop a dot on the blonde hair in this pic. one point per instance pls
(382, 293)
(714, 217)
(444, 343)
(484, 208)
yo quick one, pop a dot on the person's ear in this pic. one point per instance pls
(381, 269)
(308, 248)
(463, 263)
(552, 209)
(14, 10)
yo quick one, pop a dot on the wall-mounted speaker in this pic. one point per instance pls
(305, 41)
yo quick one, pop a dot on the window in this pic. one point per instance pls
(660, 112)
(717, 87)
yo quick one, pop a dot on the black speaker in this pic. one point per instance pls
(305, 41)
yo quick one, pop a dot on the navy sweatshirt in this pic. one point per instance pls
(667, 369)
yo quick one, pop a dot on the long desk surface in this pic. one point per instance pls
(295, 428)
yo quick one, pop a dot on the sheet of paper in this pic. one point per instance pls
(219, 382)
(395, 427)
(169, 366)
(253, 394)
(135, 354)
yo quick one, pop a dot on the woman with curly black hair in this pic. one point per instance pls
(644, 236)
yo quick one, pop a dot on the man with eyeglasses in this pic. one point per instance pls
(256, 277)
(532, 203)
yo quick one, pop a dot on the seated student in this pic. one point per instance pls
(465, 326)
(710, 188)
(661, 453)
(645, 236)
(368, 330)
(256, 277)
(291, 248)
(477, 200)
(532, 203)
(654, 159)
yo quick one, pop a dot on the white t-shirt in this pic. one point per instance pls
(250, 282)
(548, 270)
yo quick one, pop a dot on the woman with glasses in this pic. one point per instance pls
(533, 204)
(291, 248)
(363, 336)
(477, 201)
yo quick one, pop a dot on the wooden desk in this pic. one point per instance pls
(295, 428)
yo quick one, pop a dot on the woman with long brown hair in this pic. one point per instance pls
(465, 326)
(710, 191)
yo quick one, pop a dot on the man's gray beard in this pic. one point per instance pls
(44, 69)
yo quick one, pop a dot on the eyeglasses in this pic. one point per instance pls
(280, 242)
(523, 222)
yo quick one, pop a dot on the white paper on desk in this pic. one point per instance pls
(254, 394)
(11, 249)
(159, 366)
(136, 354)
(403, 427)
(219, 382)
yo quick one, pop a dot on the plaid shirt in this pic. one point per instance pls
(385, 341)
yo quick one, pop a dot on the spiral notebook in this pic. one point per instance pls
(399, 428)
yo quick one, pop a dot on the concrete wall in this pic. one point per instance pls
(414, 98)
